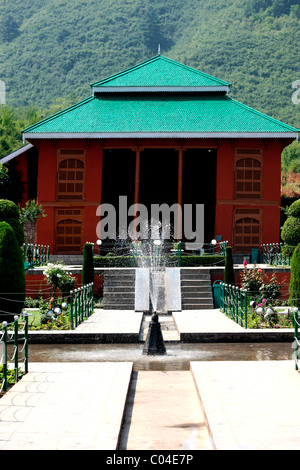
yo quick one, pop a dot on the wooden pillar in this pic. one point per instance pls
(137, 183)
(179, 198)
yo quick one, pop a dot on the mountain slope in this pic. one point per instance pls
(56, 48)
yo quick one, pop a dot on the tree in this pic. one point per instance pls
(29, 216)
(11, 184)
(294, 288)
(9, 28)
(229, 277)
(9, 212)
(88, 264)
(12, 274)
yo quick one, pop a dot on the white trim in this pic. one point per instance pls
(158, 135)
(15, 154)
(125, 89)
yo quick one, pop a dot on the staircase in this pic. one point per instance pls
(196, 290)
(119, 289)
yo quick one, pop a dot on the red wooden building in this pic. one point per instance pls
(160, 132)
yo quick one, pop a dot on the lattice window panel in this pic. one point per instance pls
(70, 175)
(247, 230)
(248, 174)
(68, 231)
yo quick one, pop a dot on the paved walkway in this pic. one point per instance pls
(242, 405)
(65, 406)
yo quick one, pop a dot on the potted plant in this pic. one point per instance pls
(29, 215)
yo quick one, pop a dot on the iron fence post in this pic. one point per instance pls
(75, 306)
(237, 303)
(246, 309)
(71, 310)
(26, 342)
(16, 346)
(4, 326)
(296, 338)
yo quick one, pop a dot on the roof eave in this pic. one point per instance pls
(161, 89)
(164, 135)
(15, 154)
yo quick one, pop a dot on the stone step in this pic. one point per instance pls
(110, 306)
(119, 283)
(124, 296)
(208, 306)
(201, 288)
(195, 284)
(118, 288)
(196, 295)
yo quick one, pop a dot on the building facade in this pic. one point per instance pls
(159, 132)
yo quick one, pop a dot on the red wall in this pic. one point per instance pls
(36, 283)
(225, 203)
(47, 188)
(271, 184)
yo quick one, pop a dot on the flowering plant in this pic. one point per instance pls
(58, 278)
(271, 289)
(252, 279)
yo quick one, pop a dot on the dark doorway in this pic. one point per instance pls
(118, 180)
(159, 181)
(199, 185)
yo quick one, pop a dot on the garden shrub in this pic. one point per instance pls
(290, 232)
(8, 209)
(12, 274)
(229, 277)
(294, 288)
(9, 212)
(88, 264)
(294, 209)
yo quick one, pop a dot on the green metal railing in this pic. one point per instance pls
(36, 255)
(222, 248)
(8, 337)
(296, 338)
(271, 253)
(81, 304)
(234, 303)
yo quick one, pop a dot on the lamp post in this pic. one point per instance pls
(213, 242)
(99, 243)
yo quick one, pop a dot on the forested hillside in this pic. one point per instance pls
(51, 50)
(56, 48)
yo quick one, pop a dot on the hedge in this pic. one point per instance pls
(169, 261)
(294, 287)
(12, 274)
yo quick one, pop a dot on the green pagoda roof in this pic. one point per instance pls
(160, 74)
(156, 112)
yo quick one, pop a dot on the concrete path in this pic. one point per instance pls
(65, 406)
(252, 405)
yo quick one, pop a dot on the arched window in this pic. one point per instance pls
(70, 175)
(68, 231)
(248, 174)
(246, 234)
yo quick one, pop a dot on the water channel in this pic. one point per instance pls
(178, 355)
